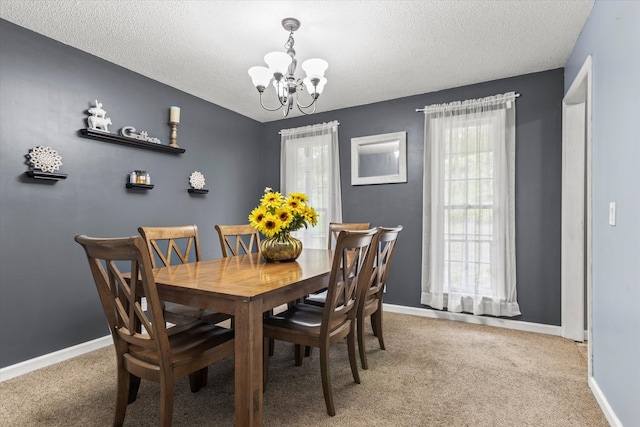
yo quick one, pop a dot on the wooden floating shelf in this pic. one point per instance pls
(123, 140)
(140, 186)
(46, 175)
(196, 191)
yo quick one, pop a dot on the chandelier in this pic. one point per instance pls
(281, 68)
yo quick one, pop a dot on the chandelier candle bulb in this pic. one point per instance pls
(278, 63)
(261, 77)
(174, 115)
(315, 68)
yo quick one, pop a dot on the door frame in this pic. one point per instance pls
(579, 93)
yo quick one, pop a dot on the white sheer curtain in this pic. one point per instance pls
(469, 261)
(310, 164)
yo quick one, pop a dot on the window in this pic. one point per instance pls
(469, 210)
(310, 164)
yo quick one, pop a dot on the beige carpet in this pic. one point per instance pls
(433, 373)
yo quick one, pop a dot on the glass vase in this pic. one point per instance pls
(281, 248)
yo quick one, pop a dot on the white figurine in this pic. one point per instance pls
(98, 119)
(99, 123)
(97, 110)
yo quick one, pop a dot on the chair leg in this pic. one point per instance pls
(298, 351)
(265, 362)
(134, 385)
(326, 379)
(272, 345)
(376, 319)
(204, 375)
(351, 347)
(198, 379)
(373, 326)
(166, 401)
(361, 347)
(124, 391)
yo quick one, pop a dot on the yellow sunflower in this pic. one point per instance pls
(272, 199)
(300, 196)
(257, 216)
(294, 203)
(311, 216)
(285, 215)
(271, 225)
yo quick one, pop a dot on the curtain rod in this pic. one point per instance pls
(421, 110)
(311, 128)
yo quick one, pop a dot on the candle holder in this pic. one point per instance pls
(174, 134)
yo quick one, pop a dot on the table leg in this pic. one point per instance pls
(248, 363)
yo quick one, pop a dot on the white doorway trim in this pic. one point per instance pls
(577, 210)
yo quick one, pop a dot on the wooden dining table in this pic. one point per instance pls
(245, 286)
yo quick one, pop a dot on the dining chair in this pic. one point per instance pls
(165, 242)
(336, 227)
(238, 239)
(370, 299)
(313, 326)
(319, 296)
(145, 347)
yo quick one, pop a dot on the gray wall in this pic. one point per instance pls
(47, 298)
(612, 38)
(538, 180)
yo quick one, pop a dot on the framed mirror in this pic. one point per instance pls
(379, 159)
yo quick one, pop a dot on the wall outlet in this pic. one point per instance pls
(612, 213)
(143, 303)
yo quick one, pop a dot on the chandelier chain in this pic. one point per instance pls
(290, 41)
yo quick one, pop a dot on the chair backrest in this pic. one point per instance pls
(353, 257)
(129, 324)
(238, 239)
(336, 227)
(385, 247)
(164, 242)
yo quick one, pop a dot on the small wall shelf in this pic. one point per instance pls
(46, 175)
(196, 191)
(123, 140)
(140, 186)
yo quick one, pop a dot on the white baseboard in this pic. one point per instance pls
(479, 320)
(49, 359)
(604, 404)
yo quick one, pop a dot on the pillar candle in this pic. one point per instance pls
(174, 114)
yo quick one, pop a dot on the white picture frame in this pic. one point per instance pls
(379, 159)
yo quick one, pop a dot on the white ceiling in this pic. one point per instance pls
(377, 50)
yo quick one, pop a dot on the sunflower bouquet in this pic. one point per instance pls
(278, 216)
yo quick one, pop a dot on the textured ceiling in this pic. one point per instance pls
(377, 50)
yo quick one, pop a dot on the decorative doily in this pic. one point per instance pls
(45, 159)
(197, 180)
